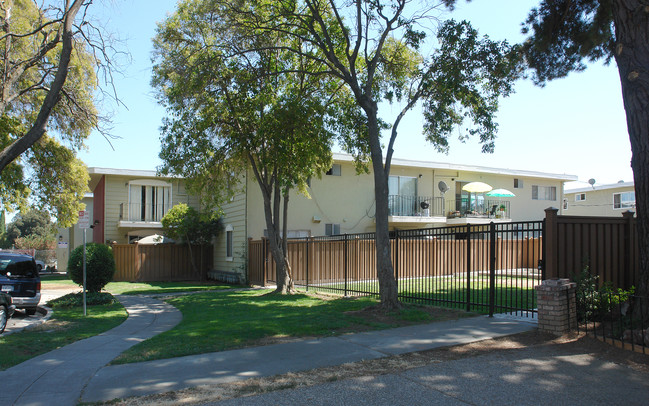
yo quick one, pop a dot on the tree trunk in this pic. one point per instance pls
(285, 279)
(385, 271)
(282, 267)
(631, 18)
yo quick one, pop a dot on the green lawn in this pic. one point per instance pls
(510, 292)
(65, 327)
(217, 321)
(141, 288)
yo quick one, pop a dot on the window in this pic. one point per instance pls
(544, 192)
(292, 233)
(335, 170)
(149, 200)
(402, 192)
(518, 183)
(580, 197)
(625, 200)
(229, 243)
(332, 229)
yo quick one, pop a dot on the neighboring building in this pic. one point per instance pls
(422, 194)
(604, 200)
(125, 205)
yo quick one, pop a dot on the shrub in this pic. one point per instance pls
(76, 300)
(100, 266)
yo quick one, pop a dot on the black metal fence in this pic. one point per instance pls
(616, 317)
(489, 268)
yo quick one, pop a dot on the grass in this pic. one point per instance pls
(138, 288)
(141, 288)
(66, 326)
(514, 292)
(223, 320)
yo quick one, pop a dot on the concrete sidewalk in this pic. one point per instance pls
(139, 379)
(58, 377)
(531, 376)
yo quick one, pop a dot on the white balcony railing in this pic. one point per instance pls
(139, 212)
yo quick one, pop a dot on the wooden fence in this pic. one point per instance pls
(318, 261)
(163, 262)
(608, 246)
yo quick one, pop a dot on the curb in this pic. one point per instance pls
(44, 310)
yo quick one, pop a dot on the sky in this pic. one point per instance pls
(574, 125)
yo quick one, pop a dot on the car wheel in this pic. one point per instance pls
(39, 267)
(3, 318)
(31, 311)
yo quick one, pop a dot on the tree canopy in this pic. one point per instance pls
(50, 55)
(375, 49)
(34, 227)
(232, 110)
(563, 35)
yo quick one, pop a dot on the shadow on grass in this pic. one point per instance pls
(222, 320)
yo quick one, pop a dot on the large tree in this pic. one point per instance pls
(564, 34)
(49, 54)
(231, 111)
(375, 47)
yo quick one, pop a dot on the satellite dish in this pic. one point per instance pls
(591, 181)
(443, 187)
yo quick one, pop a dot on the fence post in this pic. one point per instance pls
(396, 259)
(468, 267)
(550, 260)
(307, 263)
(345, 265)
(265, 266)
(628, 244)
(492, 268)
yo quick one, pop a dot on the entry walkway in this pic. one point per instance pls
(58, 377)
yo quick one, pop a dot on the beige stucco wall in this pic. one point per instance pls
(234, 218)
(117, 194)
(70, 238)
(348, 199)
(599, 202)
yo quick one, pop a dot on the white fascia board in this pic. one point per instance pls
(601, 187)
(467, 168)
(127, 172)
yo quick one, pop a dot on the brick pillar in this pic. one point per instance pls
(557, 306)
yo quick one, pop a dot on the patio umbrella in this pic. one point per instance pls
(476, 187)
(155, 239)
(500, 193)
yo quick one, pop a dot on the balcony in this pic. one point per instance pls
(138, 215)
(415, 209)
(481, 212)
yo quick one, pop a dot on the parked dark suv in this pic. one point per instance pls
(19, 278)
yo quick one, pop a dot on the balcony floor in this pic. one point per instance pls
(139, 224)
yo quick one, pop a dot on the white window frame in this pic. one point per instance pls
(332, 229)
(518, 183)
(544, 193)
(335, 170)
(580, 197)
(149, 183)
(624, 204)
(229, 243)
